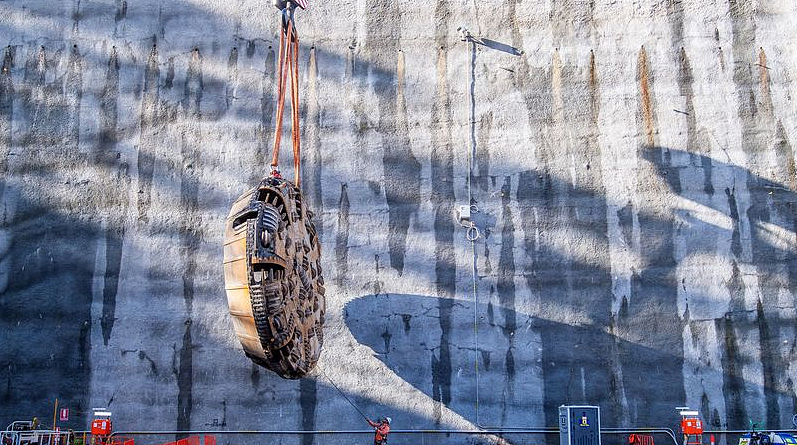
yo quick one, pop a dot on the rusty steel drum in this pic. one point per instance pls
(272, 274)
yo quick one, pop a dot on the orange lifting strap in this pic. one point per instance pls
(288, 61)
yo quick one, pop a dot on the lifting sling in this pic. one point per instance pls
(272, 254)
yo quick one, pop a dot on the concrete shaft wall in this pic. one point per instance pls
(634, 174)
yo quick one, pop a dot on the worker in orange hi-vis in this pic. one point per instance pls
(382, 428)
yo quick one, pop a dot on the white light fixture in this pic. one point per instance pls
(102, 413)
(689, 413)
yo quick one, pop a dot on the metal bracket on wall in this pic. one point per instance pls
(466, 36)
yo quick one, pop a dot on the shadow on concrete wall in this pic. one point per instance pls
(51, 256)
(609, 360)
(66, 192)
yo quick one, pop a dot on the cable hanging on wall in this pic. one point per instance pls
(466, 212)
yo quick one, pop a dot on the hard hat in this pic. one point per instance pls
(388, 419)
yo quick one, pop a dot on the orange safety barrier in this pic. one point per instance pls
(640, 439)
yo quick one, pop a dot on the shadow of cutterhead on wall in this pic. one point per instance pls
(404, 332)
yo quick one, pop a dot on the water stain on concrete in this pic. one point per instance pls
(254, 376)
(190, 223)
(769, 346)
(149, 137)
(265, 129)
(311, 171)
(194, 85)
(406, 318)
(73, 96)
(442, 173)
(185, 381)
(784, 158)
(733, 212)
(6, 119)
(653, 304)
(705, 406)
(743, 29)
(675, 16)
(764, 89)
(108, 155)
(736, 289)
(625, 219)
(506, 265)
(153, 368)
(121, 11)
(594, 95)
(342, 237)
(769, 203)
(645, 80)
(401, 169)
(386, 336)
(697, 141)
(571, 20)
(190, 232)
(733, 387)
(402, 175)
(482, 157)
(485, 359)
(232, 78)
(168, 82)
(308, 401)
(505, 283)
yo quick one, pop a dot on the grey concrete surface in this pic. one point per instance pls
(634, 174)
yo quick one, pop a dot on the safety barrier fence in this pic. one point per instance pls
(611, 436)
(537, 436)
(731, 437)
(40, 437)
